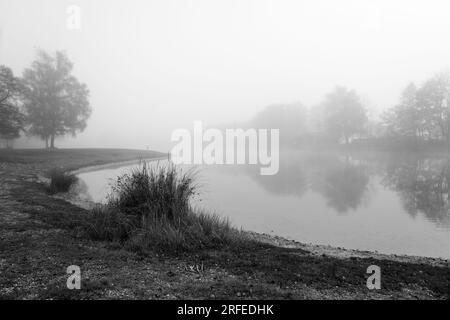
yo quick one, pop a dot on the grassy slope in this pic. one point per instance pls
(39, 239)
(72, 159)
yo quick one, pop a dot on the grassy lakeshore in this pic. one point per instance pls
(40, 236)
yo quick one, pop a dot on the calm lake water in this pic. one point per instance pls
(368, 201)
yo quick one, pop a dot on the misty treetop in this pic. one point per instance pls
(55, 101)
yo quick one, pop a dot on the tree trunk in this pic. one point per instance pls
(46, 142)
(52, 142)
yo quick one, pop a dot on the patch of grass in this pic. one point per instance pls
(73, 159)
(195, 231)
(108, 223)
(60, 181)
(150, 208)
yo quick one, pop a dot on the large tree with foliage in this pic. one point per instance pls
(56, 102)
(345, 116)
(11, 119)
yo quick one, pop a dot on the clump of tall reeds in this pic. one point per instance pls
(150, 207)
(155, 193)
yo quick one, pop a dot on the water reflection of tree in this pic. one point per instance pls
(423, 185)
(343, 181)
(290, 179)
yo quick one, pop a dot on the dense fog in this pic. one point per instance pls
(153, 66)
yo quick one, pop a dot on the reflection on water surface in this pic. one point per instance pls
(369, 201)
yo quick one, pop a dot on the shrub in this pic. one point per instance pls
(61, 181)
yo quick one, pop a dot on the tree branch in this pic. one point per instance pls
(7, 95)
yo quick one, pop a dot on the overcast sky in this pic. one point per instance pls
(153, 66)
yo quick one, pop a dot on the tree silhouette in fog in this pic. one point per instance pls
(290, 119)
(434, 99)
(11, 119)
(344, 115)
(55, 101)
(405, 119)
(423, 113)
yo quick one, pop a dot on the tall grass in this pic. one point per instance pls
(150, 207)
(60, 181)
(155, 193)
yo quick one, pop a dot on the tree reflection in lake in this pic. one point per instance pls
(343, 181)
(291, 178)
(423, 185)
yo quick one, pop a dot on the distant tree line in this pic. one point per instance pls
(340, 118)
(49, 102)
(46, 102)
(422, 116)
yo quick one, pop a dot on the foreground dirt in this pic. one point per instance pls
(40, 237)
